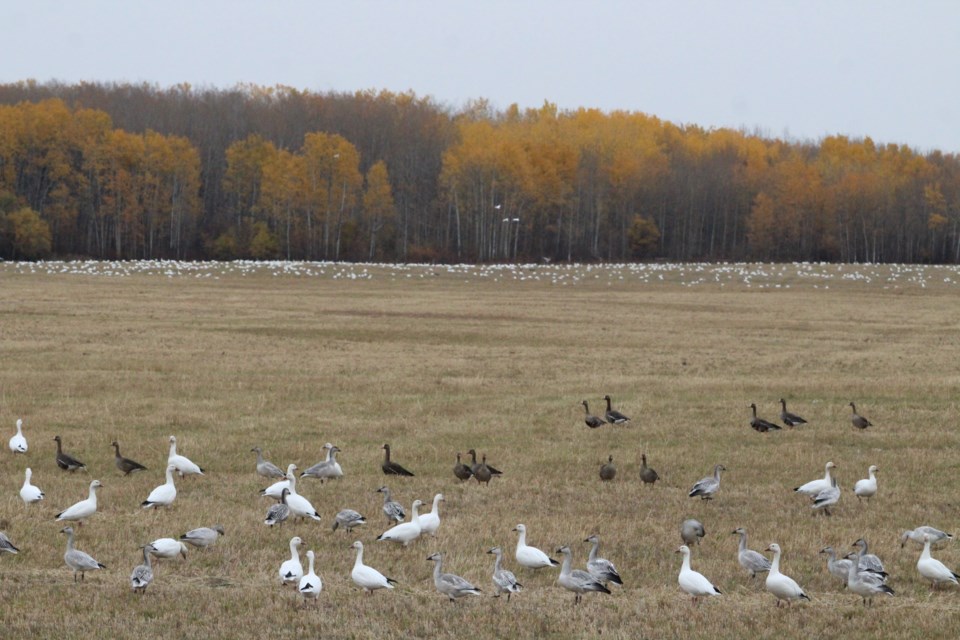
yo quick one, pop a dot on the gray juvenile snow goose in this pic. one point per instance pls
(142, 574)
(266, 468)
(77, 560)
(705, 488)
(203, 537)
(576, 580)
(751, 560)
(601, 568)
(450, 585)
(503, 580)
(691, 531)
(391, 508)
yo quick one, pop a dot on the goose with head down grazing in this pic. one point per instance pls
(782, 586)
(917, 535)
(693, 582)
(203, 537)
(348, 519)
(29, 492)
(692, 531)
(18, 444)
(184, 465)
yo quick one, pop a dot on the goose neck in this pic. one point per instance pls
(567, 560)
(775, 568)
(925, 554)
(593, 550)
(686, 561)
(743, 542)
(359, 560)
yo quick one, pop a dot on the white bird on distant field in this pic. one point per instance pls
(932, 569)
(694, 582)
(531, 557)
(83, 509)
(366, 577)
(867, 488)
(430, 522)
(164, 495)
(782, 586)
(292, 570)
(18, 444)
(30, 493)
(299, 506)
(405, 532)
(183, 464)
(814, 487)
(310, 585)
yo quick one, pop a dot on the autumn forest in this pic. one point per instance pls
(122, 171)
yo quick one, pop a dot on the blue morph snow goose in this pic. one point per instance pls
(753, 561)
(142, 574)
(707, 487)
(576, 580)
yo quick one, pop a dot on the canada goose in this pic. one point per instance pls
(647, 475)
(450, 585)
(126, 465)
(608, 471)
(266, 468)
(591, 421)
(65, 461)
(503, 580)
(694, 582)
(474, 465)
(461, 470)
(932, 569)
(691, 531)
(749, 559)
(859, 421)
(576, 580)
(759, 424)
(77, 560)
(706, 487)
(867, 488)
(392, 468)
(612, 415)
(787, 418)
(782, 586)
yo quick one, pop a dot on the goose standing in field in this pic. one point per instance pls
(531, 557)
(612, 415)
(77, 560)
(391, 468)
(590, 420)
(839, 568)
(691, 531)
(6, 546)
(18, 444)
(300, 507)
(291, 570)
(203, 537)
(461, 470)
(474, 465)
(328, 469)
(183, 464)
(576, 580)
(601, 568)
(266, 468)
(483, 473)
(867, 488)
(142, 574)
(310, 584)
(865, 584)
(917, 535)
(450, 585)
(278, 513)
(83, 509)
(759, 424)
(405, 532)
(867, 561)
(857, 420)
(348, 519)
(707, 487)
(751, 560)
(164, 495)
(275, 490)
(647, 475)
(783, 587)
(126, 465)
(503, 580)
(814, 487)
(827, 498)
(787, 418)
(167, 548)
(932, 569)
(608, 471)
(366, 577)
(65, 461)
(693, 582)
(430, 522)
(29, 492)
(391, 508)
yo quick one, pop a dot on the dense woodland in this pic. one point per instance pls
(121, 171)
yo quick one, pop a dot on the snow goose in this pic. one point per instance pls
(694, 582)
(814, 487)
(300, 507)
(77, 560)
(275, 490)
(203, 537)
(366, 577)
(917, 535)
(279, 512)
(167, 548)
(291, 570)
(531, 557)
(460, 470)
(83, 509)
(787, 418)
(328, 469)
(29, 492)
(865, 584)
(708, 486)
(142, 574)
(392, 468)
(348, 519)
(430, 522)
(783, 587)
(266, 468)
(503, 580)
(474, 465)
(867, 488)
(448, 584)
(868, 561)
(839, 568)
(576, 580)
(164, 495)
(405, 532)
(126, 465)
(612, 415)
(759, 424)
(310, 584)
(391, 508)
(827, 498)
(932, 569)
(751, 560)
(691, 531)
(18, 444)
(857, 420)
(65, 461)
(183, 464)
(6, 546)
(601, 568)
(608, 471)
(591, 421)
(647, 475)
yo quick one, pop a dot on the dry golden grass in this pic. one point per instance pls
(440, 363)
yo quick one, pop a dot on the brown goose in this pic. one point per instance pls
(859, 421)
(591, 421)
(392, 468)
(612, 415)
(474, 465)
(648, 475)
(759, 424)
(126, 465)
(483, 473)
(65, 461)
(608, 471)
(462, 471)
(787, 418)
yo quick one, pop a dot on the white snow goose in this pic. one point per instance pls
(83, 509)
(693, 582)
(782, 586)
(405, 532)
(183, 464)
(310, 584)
(531, 557)
(867, 488)
(292, 570)
(29, 492)
(164, 495)
(932, 569)
(366, 577)
(814, 487)
(430, 522)
(299, 506)
(18, 444)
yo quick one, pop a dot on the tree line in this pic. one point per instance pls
(128, 171)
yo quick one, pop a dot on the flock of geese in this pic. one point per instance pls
(862, 572)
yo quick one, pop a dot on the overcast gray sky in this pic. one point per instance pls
(803, 70)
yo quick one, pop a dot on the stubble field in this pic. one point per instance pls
(438, 360)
